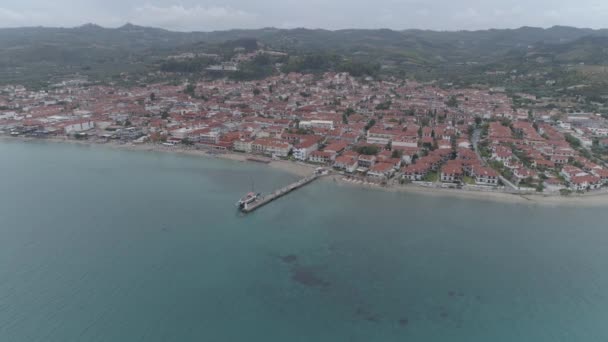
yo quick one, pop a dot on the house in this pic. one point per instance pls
(408, 154)
(569, 172)
(463, 143)
(543, 163)
(380, 136)
(452, 172)
(321, 157)
(366, 161)
(484, 175)
(404, 142)
(306, 146)
(602, 173)
(381, 171)
(583, 183)
(322, 124)
(78, 126)
(242, 145)
(346, 163)
(502, 154)
(416, 172)
(336, 148)
(205, 136)
(521, 173)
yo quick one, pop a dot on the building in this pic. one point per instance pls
(416, 172)
(242, 145)
(602, 173)
(584, 183)
(303, 150)
(404, 142)
(366, 161)
(336, 148)
(346, 163)
(569, 172)
(323, 124)
(379, 136)
(485, 176)
(78, 126)
(321, 157)
(381, 171)
(271, 147)
(204, 136)
(452, 172)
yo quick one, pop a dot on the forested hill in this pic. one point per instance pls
(30, 53)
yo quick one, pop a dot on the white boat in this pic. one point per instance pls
(247, 199)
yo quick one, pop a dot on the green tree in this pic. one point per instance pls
(370, 124)
(190, 88)
(452, 102)
(368, 150)
(574, 142)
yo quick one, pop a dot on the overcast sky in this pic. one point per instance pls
(207, 15)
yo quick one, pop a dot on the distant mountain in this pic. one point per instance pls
(590, 49)
(31, 52)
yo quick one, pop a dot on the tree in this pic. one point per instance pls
(478, 121)
(368, 150)
(152, 97)
(190, 88)
(397, 154)
(256, 92)
(452, 102)
(506, 122)
(574, 142)
(384, 105)
(370, 124)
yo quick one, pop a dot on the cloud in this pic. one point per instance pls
(178, 17)
(7, 15)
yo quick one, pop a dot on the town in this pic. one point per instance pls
(389, 132)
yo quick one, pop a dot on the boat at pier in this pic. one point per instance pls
(247, 199)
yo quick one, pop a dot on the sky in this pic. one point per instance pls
(209, 15)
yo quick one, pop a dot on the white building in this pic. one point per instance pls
(303, 150)
(78, 126)
(323, 124)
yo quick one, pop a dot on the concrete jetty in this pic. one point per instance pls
(262, 201)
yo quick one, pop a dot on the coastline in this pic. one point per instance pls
(587, 200)
(295, 168)
(302, 170)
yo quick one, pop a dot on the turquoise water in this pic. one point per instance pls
(104, 245)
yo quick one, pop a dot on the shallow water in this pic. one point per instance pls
(99, 244)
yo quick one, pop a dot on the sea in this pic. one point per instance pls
(102, 244)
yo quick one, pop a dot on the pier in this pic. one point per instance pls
(262, 201)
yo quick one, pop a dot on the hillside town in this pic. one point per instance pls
(389, 132)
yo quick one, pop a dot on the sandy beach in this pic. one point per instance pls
(588, 200)
(302, 170)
